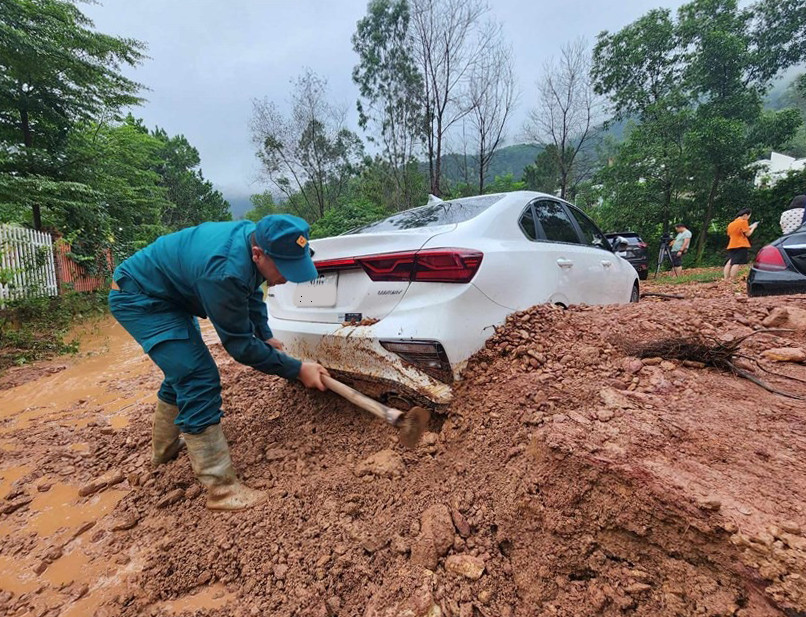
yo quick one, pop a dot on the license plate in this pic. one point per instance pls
(319, 293)
(621, 253)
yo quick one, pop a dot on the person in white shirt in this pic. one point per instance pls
(794, 216)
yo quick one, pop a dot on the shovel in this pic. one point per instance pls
(412, 423)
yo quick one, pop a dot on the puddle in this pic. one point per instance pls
(18, 575)
(114, 355)
(61, 507)
(212, 597)
(10, 475)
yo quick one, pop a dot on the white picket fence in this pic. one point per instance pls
(27, 266)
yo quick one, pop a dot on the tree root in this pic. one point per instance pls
(716, 354)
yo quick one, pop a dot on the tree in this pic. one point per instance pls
(263, 205)
(492, 94)
(390, 106)
(695, 86)
(58, 73)
(542, 175)
(567, 114)
(191, 198)
(728, 68)
(310, 155)
(447, 38)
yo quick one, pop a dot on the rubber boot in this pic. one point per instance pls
(165, 439)
(209, 456)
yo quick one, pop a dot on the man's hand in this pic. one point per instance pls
(310, 374)
(276, 343)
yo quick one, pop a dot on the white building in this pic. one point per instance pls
(777, 167)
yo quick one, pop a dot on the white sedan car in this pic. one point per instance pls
(404, 302)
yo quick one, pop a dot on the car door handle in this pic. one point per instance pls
(607, 263)
(565, 263)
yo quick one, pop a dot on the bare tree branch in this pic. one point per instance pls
(568, 114)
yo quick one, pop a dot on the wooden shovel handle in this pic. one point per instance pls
(389, 414)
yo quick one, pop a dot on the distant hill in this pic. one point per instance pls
(509, 159)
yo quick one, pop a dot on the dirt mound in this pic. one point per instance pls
(567, 478)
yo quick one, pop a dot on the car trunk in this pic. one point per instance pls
(344, 291)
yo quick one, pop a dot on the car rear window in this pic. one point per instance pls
(629, 238)
(432, 215)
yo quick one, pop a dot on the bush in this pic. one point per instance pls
(35, 328)
(345, 217)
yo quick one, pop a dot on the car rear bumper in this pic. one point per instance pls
(766, 283)
(460, 320)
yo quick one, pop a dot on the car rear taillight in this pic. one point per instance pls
(769, 258)
(642, 245)
(428, 356)
(428, 265)
(331, 265)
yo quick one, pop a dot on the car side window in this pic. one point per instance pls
(557, 226)
(527, 224)
(590, 233)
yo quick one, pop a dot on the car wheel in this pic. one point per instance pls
(635, 295)
(643, 274)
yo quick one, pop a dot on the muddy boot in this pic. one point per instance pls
(165, 439)
(209, 456)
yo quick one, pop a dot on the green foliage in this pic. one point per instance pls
(389, 85)
(58, 74)
(263, 206)
(346, 217)
(695, 86)
(505, 184)
(191, 199)
(36, 328)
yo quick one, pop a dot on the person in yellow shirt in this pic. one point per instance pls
(738, 233)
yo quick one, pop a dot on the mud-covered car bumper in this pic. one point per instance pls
(458, 324)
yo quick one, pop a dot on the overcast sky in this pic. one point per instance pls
(209, 58)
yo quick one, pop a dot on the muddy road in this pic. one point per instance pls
(569, 477)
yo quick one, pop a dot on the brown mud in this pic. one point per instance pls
(566, 478)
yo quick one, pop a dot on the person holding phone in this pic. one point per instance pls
(739, 232)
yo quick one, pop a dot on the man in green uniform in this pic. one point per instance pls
(213, 270)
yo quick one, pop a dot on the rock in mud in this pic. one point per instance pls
(193, 491)
(790, 317)
(124, 523)
(92, 487)
(468, 566)
(613, 399)
(15, 505)
(385, 464)
(460, 522)
(436, 537)
(785, 354)
(171, 498)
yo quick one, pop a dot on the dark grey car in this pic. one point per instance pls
(635, 251)
(780, 267)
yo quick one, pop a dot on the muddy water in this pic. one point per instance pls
(108, 353)
(87, 390)
(98, 387)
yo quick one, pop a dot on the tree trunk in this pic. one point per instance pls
(437, 163)
(28, 140)
(709, 214)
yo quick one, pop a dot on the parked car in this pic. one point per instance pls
(405, 302)
(780, 267)
(635, 251)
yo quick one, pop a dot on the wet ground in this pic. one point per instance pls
(568, 478)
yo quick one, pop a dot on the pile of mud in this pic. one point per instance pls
(567, 478)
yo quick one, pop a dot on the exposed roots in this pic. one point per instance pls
(717, 354)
